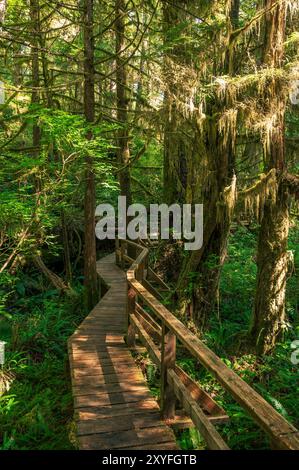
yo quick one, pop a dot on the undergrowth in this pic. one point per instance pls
(36, 412)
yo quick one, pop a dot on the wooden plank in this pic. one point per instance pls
(86, 362)
(148, 326)
(165, 446)
(95, 388)
(103, 399)
(139, 349)
(206, 429)
(130, 377)
(114, 424)
(98, 331)
(109, 303)
(183, 421)
(94, 345)
(109, 320)
(100, 338)
(100, 370)
(104, 320)
(124, 439)
(200, 396)
(147, 341)
(78, 353)
(146, 406)
(150, 319)
(154, 276)
(180, 422)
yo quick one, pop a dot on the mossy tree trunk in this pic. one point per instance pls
(197, 288)
(90, 272)
(198, 284)
(122, 101)
(272, 263)
(34, 9)
(180, 136)
(272, 260)
(35, 97)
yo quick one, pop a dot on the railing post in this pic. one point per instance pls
(145, 268)
(140, 272)
(130, 311)
(168, 357)
(139, 275)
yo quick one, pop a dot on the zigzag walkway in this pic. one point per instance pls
(113, 406)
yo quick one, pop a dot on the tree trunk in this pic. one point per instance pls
(272, 265)
(179, 134)
(35, 100)
(122, 102)
(55, 280)
(197, 295)
(35, 97)
(90, 272)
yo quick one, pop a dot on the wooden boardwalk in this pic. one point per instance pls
(113, 406)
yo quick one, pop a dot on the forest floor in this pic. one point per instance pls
(37, 412)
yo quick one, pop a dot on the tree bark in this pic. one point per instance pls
(90, 272)
(180, 148)
(35, 97)
(197, 296)
(34, 10)
(55, 280)
(122, 102)
(206, 263)
(272, 262)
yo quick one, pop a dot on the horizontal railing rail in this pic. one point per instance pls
(161, 340)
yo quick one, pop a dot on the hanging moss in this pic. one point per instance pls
(227, 202)
(254, 197)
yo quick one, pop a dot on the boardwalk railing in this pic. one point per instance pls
(159, 331)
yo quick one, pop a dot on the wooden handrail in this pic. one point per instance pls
(283, 435)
